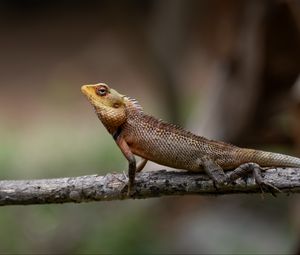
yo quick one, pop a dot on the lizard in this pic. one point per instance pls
(140, 134)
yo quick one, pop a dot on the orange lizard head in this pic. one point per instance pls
(110, 106)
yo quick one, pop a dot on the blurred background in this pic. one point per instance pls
(224, 69)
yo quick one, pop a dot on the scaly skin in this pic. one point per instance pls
(137, 133)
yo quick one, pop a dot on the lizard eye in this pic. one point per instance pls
(101, 91)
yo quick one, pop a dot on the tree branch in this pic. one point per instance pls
(148, 184)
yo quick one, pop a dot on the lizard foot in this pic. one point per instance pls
(244, 169)
(263, 185)
(124, 189)
(130, 191)
(269, 188)
(128, 188)
(124, 179)
(214, 171)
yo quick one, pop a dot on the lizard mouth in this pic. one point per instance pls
(88, 91)
(85, 90)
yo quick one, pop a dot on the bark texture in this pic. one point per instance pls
(148, 184)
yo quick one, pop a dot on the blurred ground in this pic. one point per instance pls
(224, 69)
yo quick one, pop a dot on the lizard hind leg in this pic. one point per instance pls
(214, 171)
(246, 168)
(141, 165)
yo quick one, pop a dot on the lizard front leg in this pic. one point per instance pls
(131, 160)
(213, 170)
(247, 168)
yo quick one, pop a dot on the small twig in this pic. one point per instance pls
(148, 184)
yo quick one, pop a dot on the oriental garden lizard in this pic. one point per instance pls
(137, 133)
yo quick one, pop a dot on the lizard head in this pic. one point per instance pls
(110, 106)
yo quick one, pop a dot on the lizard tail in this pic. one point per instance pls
(268, 159)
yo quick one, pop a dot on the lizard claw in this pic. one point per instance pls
(243, 171)
(125, 181)
(264, 185)
(268, 187)
(124, 189)
(125, 176)
(128, 189)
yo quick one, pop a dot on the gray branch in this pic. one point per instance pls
(148, 184)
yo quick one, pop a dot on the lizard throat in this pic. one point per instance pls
(112, 119)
